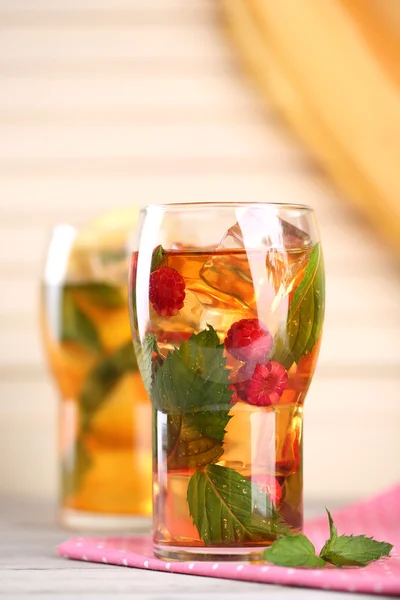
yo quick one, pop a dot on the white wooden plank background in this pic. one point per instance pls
(106, 103)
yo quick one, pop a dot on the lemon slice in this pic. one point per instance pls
(101, 250)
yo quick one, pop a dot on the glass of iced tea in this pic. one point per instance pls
(104, 411)
(227, 306)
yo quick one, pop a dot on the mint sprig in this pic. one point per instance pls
(158, 259)
(100, 293)
(350, 550)
(299, 334)
(226, 508)
(77, 326)
(293, 551)
(144, 354)
(192, 387)
(195, 439)
(102, 379)
(193, 377)
(343, 550)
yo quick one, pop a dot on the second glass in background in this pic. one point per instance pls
(104, 411)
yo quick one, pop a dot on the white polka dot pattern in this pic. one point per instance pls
(379, 517)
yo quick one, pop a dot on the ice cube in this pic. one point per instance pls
(256, 265)
(246, 284)
(199, 311)
(230, 274)
(257, 227)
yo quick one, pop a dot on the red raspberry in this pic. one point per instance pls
(249, 339)
(240, 380)
(269, 485)
(267, 384)
(167, 291)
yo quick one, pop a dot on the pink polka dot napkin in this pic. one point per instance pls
(378, 517)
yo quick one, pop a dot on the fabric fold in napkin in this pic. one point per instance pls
(378, 517)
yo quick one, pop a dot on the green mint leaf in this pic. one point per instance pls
(101, 294)
(349, 550)
(227, 508)
(333, 534)
(102, 379)
(356, 551)
(192, 387)
(304, 323)
(195, 439)
(159, 258)
(144, 355)
(293, 551)
(193, 377)
(76, 326)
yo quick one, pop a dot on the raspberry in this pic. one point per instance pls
(249, 339)
(269, 485)
(240, 380)
(267, 384)
(167, 291)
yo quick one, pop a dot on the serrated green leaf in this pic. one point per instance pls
(293, 551)
(76, 326)
(102, 379)
(349, 550)
(355, 551)
(333, 534)
(195, 439)
(192, 387)
(158, 259)
(227, 508)
(304, 323)
(193, 377)
(144, 355)
(101, 294)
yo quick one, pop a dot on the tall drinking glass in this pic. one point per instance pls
(104, 411)
(227, 306)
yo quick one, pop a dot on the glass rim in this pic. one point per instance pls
(289, 206)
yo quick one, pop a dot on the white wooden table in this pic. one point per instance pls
(30, 567)
(106, 103)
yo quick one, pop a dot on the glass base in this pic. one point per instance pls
(196, 553)
(80, 520)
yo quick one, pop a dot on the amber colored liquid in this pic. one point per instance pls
(260, 442)
(105, 440)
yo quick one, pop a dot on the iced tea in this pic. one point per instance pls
(227, 339)
(105, 413)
